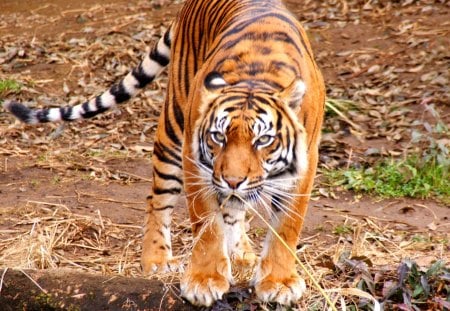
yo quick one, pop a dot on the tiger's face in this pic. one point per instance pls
(250, 144)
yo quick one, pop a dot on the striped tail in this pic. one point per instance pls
(147, 70)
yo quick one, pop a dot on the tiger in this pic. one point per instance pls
(240, 127)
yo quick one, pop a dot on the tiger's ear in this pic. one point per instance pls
(294, 93)
(214, 81)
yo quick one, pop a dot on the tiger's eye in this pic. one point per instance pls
(218, 137)
(264, 140)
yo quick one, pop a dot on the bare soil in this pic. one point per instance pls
(391, 59)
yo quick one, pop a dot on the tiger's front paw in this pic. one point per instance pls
(202, 289)
(283, 291)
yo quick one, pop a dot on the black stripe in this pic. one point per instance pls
(262, 101)
(204, 162)
(256, 181)
(167, 176)
(279, 65)
(99, 105)
(219, 12)
(264, 37)
(306, 48)
(277, 174)
(161, 157)
(166, 39)
(141, 76)
(255, 68)
(168, 128)
(165, 149)
(85, 107)
(119, 92)
(66, 113)
(21, 111)
(292, 169)
(159, 191)
(228, 219)
(230, 223)
(179, 116)
(292, 146)
(42, 115)
(158, 57)
(275, 200)
(279, 121)
(236, 28)
(88, 113)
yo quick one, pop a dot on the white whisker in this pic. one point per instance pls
(287, 208)
(199, 165)
(282, 208)
(263, 200)
(284, 193)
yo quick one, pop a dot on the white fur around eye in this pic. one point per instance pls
(217, 82)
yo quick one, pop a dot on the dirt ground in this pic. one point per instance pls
(72, 195)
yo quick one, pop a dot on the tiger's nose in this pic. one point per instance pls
(233, 181)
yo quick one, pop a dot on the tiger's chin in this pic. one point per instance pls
(235, 200)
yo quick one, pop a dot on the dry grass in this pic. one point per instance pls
(51, 236)
(46, 235)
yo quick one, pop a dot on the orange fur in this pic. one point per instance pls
(246, 69)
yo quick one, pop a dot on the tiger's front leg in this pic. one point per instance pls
(208, 276)
(276, 278)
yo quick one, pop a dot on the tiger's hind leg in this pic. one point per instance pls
(157, 246)
(167, 185)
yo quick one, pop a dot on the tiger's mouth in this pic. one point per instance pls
(231, 200)
(236, 199)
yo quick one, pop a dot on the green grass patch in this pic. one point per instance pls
(342, 229)
(412, 177)
(9, 85)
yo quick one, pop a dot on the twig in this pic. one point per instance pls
(1, 280)
(356, 292)
(134, 175)
(329, 104)
(49, 204)
(34, 282)
(428, 209)
(79, 193)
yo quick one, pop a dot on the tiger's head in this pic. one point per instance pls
(249, 141)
